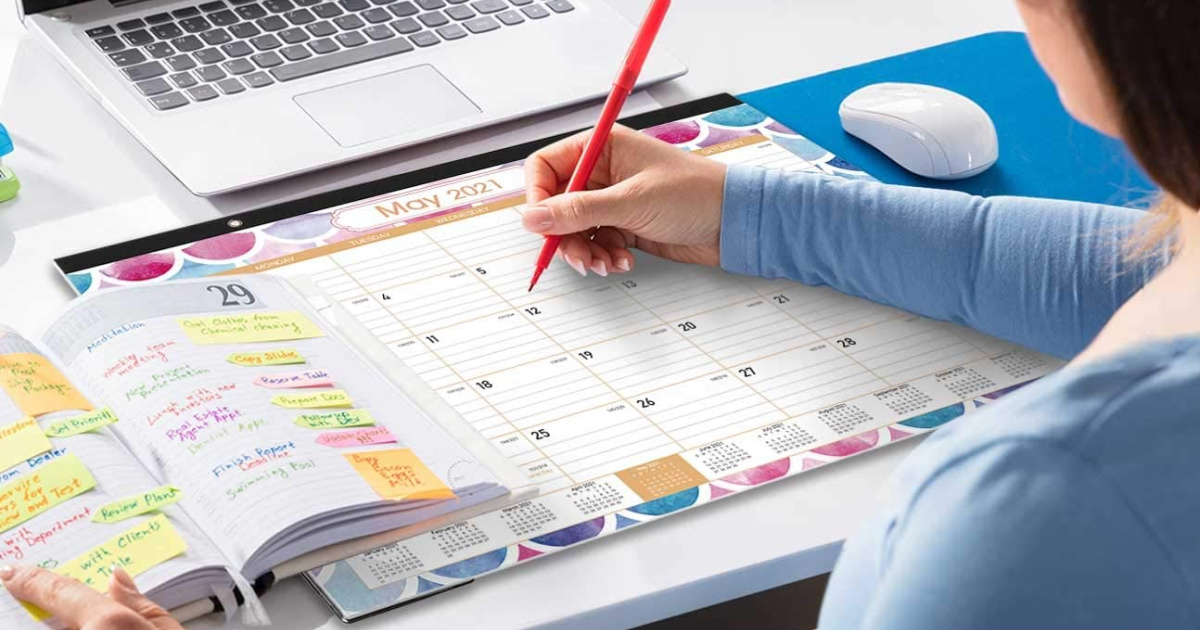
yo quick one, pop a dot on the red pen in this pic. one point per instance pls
(622, 88)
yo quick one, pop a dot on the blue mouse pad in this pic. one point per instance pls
(1043, 151)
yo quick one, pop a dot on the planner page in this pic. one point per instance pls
(235, 392)
(74, 500)
(625, 397)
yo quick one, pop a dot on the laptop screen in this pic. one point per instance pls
(40, 6)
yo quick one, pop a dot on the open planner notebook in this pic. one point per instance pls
(624, 398)
(198, 432)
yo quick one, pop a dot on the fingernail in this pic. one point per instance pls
(123, 578)
(600, 268)
(538, 219)
(7, 573)
(576, 264)
(622, 264)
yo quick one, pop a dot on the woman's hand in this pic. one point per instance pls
(644, 193)
(78, 606)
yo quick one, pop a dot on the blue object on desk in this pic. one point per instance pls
(6, 143)
(1043, 151)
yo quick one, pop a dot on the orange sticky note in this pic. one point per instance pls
(36, 386)
(399, 475)
(287, 356)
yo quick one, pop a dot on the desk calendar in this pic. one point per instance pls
(625, 398)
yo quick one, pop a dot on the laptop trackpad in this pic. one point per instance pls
(386, 105)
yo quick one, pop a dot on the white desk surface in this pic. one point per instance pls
(87, 184)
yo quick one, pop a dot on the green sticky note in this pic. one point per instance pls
(136, 505)
(336, 419)
(81, 423)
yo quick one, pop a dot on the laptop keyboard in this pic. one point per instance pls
(225, 47)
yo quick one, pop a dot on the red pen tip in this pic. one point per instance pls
(537, 273)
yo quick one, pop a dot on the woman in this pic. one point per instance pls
(1074, 503)
(1071, 504)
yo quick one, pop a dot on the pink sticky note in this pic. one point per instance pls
(356, 437)
(291, 380)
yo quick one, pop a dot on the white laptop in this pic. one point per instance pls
(232, 93)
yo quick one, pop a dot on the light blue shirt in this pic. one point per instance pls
(1072, 503)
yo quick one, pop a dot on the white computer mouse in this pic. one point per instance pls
(930, 131)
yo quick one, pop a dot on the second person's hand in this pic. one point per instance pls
(77, 606)
(644, 194)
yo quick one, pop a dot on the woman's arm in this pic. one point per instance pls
(1020, 534)
(1040, 273)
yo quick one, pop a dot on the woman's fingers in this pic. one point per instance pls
(602, 261)
(547, 170)
(576, 252)
(71, 601)
(581, 211)
(616, 243)
(668, 198)
(124, 591)
(602, 253)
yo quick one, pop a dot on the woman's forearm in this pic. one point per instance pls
(1044, 274)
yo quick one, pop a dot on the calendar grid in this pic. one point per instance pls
(835, 346)
(493, 279)
(575, 358)
(627, 290)
(965, 339)
(446, 365)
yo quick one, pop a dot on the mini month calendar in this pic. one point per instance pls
(626, 398)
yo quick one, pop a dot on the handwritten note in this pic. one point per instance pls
(295, 380)
(62, 479)
(250, 328)
(82, 423)
(398, 475)
(336, 419)
(137, 505)
(21, 440)
(136, 550)
(271, 357)
(36, 385)
(316, 400)
(357, 437)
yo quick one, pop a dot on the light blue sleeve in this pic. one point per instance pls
(1043, 274)
(1022, 534)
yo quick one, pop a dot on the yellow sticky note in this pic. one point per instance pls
(137, 504)
(399, 475)
(47, 486)
(21, 440)
(82, 423)
(316, 400)
(272, 357)
(36, 386)
(136, 550)
(250, 327)
(336, 419)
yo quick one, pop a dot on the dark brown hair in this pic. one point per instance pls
(1152, 64)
